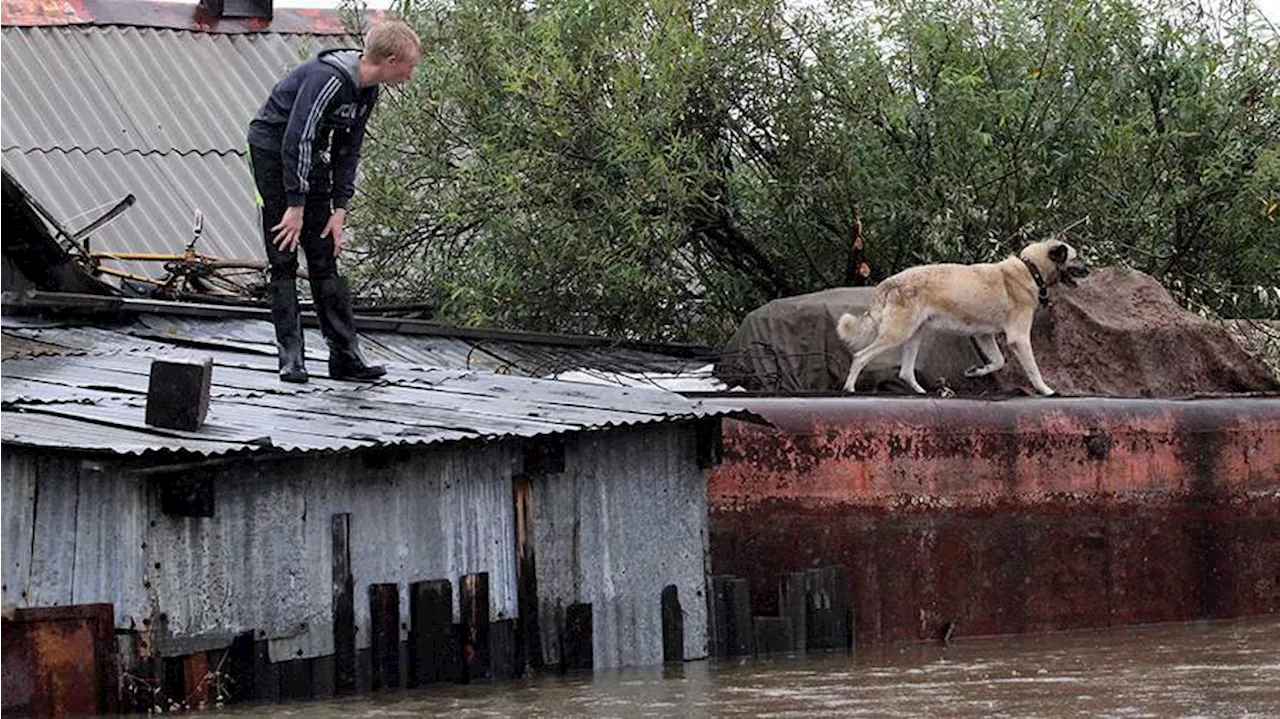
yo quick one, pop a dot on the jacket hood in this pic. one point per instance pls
(346, 59)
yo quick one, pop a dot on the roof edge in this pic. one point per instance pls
(170, 15)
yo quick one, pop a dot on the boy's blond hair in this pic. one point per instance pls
(391, 37)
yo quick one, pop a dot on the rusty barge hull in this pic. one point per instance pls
(970, 517)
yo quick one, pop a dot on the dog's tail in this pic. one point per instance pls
(857, 331)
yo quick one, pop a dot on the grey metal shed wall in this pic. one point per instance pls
(72, 535)
(263, 562)
(626, 518)
(435, 514)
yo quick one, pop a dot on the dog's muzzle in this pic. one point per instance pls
(1071, 273)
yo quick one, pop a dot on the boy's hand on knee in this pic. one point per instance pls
(289, 229)
(334, 227)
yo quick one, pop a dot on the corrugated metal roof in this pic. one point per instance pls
(84, 88)
(95, 403)
(169, 189)
(92, 114)
(236, 337)
(86, 390)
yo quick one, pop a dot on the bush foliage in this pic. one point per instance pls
(657, 168)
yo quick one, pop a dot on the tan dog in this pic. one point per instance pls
(974, 300)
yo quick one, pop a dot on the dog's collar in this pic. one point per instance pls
(1035, 275)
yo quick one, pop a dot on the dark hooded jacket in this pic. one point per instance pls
(315, 118)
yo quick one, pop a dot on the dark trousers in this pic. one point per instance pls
(268, 175)
(328, 288)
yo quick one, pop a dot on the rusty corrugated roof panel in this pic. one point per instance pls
(178, 16)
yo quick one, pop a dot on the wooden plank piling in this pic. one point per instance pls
(266, 674)
(434, 654)
(773, 635)
(323, 670)
(528, 637)
(793, 602)
(239, 667)
(576, 643)
(503, 650)
(344, 608)
(384, 643)
(473, 603)
(718, 616)
(195, 670)
(740, 635)
(295, 679)
(672, 625)
(829, 606)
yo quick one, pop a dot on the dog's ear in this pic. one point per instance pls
(1058, 253)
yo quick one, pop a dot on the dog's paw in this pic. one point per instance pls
(848, 387)
(974, 371)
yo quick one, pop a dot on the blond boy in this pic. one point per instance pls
(304, 145)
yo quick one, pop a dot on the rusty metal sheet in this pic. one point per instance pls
(173, 15)
(60, 661)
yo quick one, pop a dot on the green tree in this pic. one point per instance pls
(656, 169)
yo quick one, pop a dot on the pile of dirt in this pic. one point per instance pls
(1118, 334)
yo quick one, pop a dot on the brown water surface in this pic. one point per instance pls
(1203, 669)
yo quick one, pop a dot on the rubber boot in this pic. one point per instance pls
(287, 319)
(338, 325)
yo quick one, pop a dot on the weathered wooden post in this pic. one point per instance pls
(384, 650)
(344, 608)
(672, 625)
(577, 650)
(434, 654)
(474, 605)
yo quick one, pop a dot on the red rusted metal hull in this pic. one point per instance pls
(1010, 516)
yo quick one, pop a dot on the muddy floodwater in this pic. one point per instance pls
(1203, 669)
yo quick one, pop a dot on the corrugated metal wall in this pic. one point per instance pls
(72, 535)
(430, 515)
(264, 561)
(1023, 515)
(626, 518)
